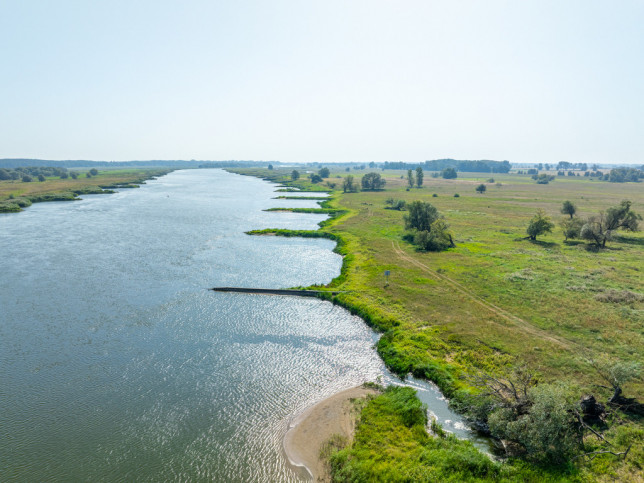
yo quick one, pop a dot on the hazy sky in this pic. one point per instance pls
(327, 80)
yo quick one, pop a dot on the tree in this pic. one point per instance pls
(295, 175)
(88, 175)
(449, 173)
(372, 181)
(348, 185)
(568, 208)
(93, 171)
(481, 188)
(315, 178)
(26, 178)
(539, 419)
(436, 239)
(419, 177)
(64, 175)
(41, 178)
(324, 173)
(270, 166)
(73, 175)
(600, 229)
(539, 224)
(410, 178)
(420, 216)
(616, 373)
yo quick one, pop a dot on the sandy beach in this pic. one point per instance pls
(309, 430)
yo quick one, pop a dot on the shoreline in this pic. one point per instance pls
(313, 427)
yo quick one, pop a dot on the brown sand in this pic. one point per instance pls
(315, 426)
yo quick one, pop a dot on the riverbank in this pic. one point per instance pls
(451, 315)
(309, 431)
(16, 194)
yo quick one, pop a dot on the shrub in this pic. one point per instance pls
(449, 173)
(539, 225)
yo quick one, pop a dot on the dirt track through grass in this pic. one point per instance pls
(525, 326)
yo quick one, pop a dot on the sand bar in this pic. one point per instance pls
(309, 430)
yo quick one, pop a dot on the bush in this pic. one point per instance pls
(571, 227)
(449, 173)
(539, 225)
(456, 195)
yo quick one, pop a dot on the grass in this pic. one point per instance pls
(497, 300)
(15, 195)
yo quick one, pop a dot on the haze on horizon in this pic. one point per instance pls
(331, 81)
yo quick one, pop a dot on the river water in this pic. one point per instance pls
(117, 363)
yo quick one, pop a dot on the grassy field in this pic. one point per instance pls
(54, 188)
(498, 300)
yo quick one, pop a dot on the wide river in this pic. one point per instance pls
(117, 363)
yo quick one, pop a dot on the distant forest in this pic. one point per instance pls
(81, 163)
(478, 166)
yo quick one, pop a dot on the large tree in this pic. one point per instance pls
(600, 229)
(420, 216)
(295, 174)
(410, 178)
(372, 181)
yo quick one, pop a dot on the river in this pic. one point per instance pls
(117, 363)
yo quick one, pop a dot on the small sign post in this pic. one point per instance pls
(387, 273)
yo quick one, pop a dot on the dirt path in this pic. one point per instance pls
(525, 326)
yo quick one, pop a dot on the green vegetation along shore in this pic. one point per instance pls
(558, 319)
(25, 186)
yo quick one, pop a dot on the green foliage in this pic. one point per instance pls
(349, 185)
(410, 178)
(568, 208)
(543, 178)
(392, 204)
(270, 166)
(26, 178)
(93, 172)
(372, 181)
(295, 175)
(420, 216)
(419, 177)
(449, 173)
(539, 224)
(391, 444)
(600, 229)
(624, 175)
(324, 172)
(571, 227)
(315, 178)
(547, 431)
(436, 239)
(481, 188)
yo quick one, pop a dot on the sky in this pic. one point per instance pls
(323, 81)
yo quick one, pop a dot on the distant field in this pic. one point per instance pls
(56, 185)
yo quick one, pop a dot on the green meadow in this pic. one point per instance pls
(497, 300)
